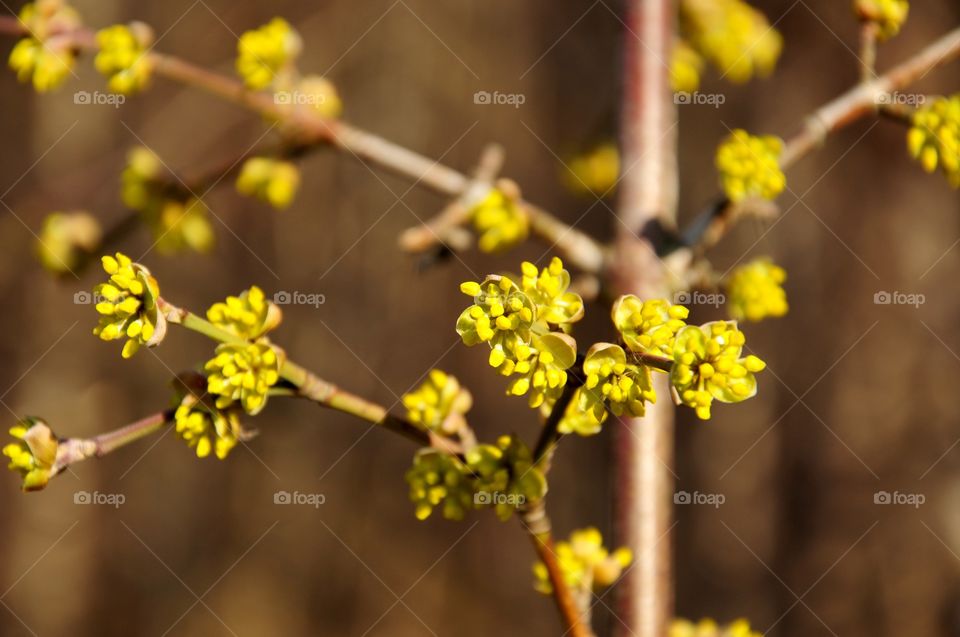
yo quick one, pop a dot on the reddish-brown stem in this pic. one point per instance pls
(107, 442)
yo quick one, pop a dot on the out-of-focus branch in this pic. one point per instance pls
(860, 101)
(310, 128)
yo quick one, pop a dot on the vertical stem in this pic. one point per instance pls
(644, 447)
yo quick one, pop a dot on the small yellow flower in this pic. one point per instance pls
(888, 15)
(734, 36)
(709, 628)
(249, 315)
(42, 57)
(613, 384)
(34, 454)
(123, 57)
(206, 428)
(648, 327)
(270, 180)
(439, 404)
(262, 53)
(578, 421)
(65, 238)
(686, 66)
(437, 479)
(321, 94)
(755, 291)
(504, 476)
(244, 372)
(547, 288)
(500, 221)
(595, 171)
(586, 564)
(501, 316)
(177, 219)
(540, 368)
(750, 166)
(708, 365)
(127, 304)
(934, 139)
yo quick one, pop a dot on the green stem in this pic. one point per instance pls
(113, 440)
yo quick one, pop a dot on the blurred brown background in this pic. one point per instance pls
(859, 398)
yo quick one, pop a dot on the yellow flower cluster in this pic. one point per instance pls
(46, 56)
(243, 372)
(596, 171)
(262, 53)
(708, 365)
(750, 166)
(709, 628)
(314, 91)
(755, 291)
(249, 315)
(586, 564)
(504, 476)
(65, 238)
(205, 428)
(33, 454)
(271, 180)
(732, 35)
(934, 139)
(648, 327)
(177, 222)
(439, 404)
(525, 326)
(123, 57)
(127, 304)
(686, 66)
(613, 384)
(500, 221)
(888, 15)
(439, 479)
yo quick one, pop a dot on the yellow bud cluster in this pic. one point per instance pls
(710, 628)
(734, 36)
(123, 57)
(270, 180)
(127, 304)
(750, 166)
(500, 221)
(262, 53)
(249, 315)
(755, 291)
(614, 385)
(205, 428)
(439, 404)
(41, 57)
(33, 454)
(586, 564)
(595, 171)
(686, 67)
(650, 326)
(65, 238)
(888, 15)
(708, 366)
(934, 139)
(243, 372)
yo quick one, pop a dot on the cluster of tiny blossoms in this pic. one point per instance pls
(755, 291)
(123, 57)
(500, 221)
(934, 139)
(127, 304)
(33, 454)
(732, 35)
(887, 15)
(525, 326)
(710, 628)
(66, 238)
(270, 180)
(586, 564)
(439, 404)
(206, 428)
(595, 172)
(46, 55)
(749, 166)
